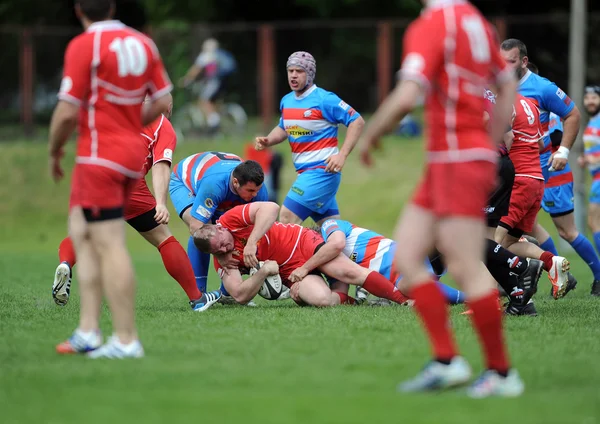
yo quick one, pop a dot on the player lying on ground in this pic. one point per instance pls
(206, 185)
(246, 234)
(309, 120)
(149, 216)
(375, 252)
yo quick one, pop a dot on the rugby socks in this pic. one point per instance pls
(498, 256)
(597, 241)
(586, 251)
(379, 286)
(549, 246)
(200, 262)
(345, 299)
(546, 258)
(178, 266)
(431, 307)
(453, 296)
(487, 321)
(66, 252)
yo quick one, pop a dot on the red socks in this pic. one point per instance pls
(546, 257)
(179, 267)
(487, 320)
(66, 252)
(379, 286)
(345, 299)
(432, 308)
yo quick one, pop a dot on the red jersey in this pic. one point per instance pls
(279, 243)
(453, 52)
(526, 127)
(160, 140)
(108, 71)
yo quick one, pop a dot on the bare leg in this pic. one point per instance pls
(314, 291)
(286, 216)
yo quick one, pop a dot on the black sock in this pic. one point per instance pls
(500, 257)
(509, 282)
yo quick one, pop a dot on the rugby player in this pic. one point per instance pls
(558, 192)
(309, 119)
(450, 54)
(249, 233)
(205, 185)
(149, 216)
(591, 160)
(102, 90)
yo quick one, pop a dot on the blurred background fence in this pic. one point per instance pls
(356, 59)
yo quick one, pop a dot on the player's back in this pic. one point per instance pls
(111, 69)
(455, 49)
(526, 129)
(216, 165)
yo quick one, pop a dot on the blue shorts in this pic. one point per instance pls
(595, 192)
(181, 196)
(313, 195)
(558, 200)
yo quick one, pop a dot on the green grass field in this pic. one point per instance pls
(276, 363)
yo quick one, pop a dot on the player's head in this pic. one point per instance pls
(210, 45)
(213, 239)
(514, 53)
(301, 69)
(591, 99)
(533, 68)
(90, 11)
(247, 179)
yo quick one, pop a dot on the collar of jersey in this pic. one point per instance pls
(525, 77)
(106, 25)
(435, 4)
(306, 93)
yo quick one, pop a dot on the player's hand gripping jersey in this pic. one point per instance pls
(289, 245)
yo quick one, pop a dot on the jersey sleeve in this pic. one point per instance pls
(166, 142)
(237, 218)
(338, 111)
(160, 84)
(209, 194)
(423, 55)
(555, 100)
(281, 116)
(75, 84)
(330, 226)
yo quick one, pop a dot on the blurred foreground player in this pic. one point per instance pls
(105, 89)
(450, 54)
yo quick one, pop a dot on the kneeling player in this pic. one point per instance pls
(149, 217)
(248, 233)
(375, 252)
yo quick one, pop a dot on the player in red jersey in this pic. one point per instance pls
(248, 233)
(149, 216)
(108, 71)
(450, 54)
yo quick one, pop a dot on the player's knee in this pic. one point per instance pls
(286, 216)
(568, 233)
(323, 300)
(157, 235)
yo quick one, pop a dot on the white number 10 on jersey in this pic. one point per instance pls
(131, 56)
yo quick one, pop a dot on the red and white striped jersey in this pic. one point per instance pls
(453, 52)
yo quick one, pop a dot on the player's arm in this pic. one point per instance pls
(243, 291)
(335, 241)
(208, 197)
(262, 215)
(190, 75)
(556, 101)
(74, 88)
(339, 112)
(276, 136)
(161, 175)
(508, 139)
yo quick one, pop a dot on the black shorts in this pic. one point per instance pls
(499, 201)
(144, 222)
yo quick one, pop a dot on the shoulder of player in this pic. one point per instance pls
(142, 37)
(82, 42)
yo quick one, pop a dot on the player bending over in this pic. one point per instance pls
(450, 54)
(249, 233)
(206, 185)
(309, 119)
(149, 216)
